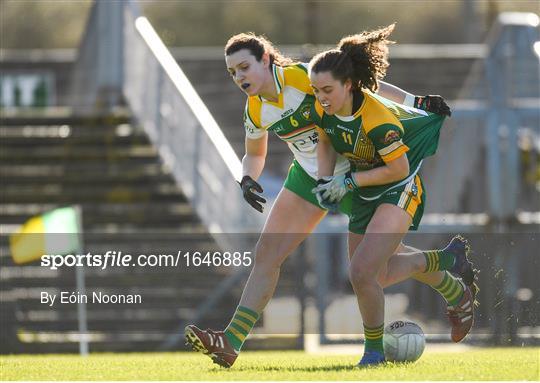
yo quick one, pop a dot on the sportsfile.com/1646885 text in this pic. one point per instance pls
(118, 259)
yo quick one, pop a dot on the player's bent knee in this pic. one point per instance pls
(383, 280)
(361, 274)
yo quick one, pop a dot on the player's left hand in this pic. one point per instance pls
(335, 188)
(325, 204)
(433, 104)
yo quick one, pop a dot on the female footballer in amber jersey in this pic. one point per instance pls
(385, 143)
(280, 99)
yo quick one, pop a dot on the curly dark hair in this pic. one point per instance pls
(257, 45)
(362, 58)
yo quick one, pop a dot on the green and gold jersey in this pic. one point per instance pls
(290, 117)
(379, 132)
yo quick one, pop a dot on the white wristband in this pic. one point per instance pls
(409, 100)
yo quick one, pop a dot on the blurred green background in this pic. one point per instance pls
(60, 23)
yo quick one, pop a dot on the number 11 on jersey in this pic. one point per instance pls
(346, 137)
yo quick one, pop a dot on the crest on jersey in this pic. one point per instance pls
(305, 111)
(391, 136)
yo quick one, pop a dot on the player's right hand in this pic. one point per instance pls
(249, 187)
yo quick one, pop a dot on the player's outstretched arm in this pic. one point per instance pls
(394, 93)
(430, 103)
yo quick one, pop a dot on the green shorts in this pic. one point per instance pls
(411, 197)
(300, 183)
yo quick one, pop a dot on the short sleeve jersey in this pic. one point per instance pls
(379, 132)
(290, 117)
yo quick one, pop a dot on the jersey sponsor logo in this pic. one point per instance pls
(391, 136)
(287, 112)
(306, 143)
(344, 128)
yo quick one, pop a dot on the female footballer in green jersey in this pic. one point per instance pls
(280, 99)
(385, 143)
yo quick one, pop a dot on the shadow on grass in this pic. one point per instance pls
(329, 368)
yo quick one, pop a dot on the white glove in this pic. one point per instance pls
(325, 204)
(331, 190)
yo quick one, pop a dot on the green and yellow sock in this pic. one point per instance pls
(438, 260)
(374, 338)
(451, 289)
(241, 324)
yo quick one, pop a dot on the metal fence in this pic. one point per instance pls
(185, 133)
(500, 100)
(122, 57)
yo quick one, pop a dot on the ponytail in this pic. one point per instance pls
(362, 58)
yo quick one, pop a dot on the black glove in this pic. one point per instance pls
(248, 184)
(433, 104)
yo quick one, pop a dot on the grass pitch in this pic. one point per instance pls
(476, 364)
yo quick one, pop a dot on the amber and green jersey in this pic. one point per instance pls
(290, 117)
(379, 132)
